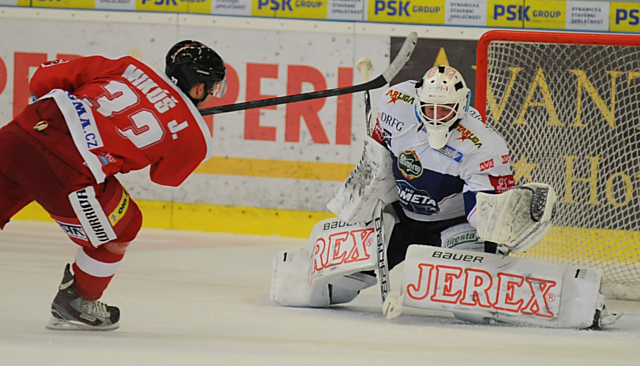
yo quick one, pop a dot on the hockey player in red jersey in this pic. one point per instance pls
(93, 118)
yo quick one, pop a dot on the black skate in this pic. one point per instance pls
(72, 312)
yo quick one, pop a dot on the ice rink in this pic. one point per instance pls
(203, 299)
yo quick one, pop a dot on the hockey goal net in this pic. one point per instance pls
(568, 106)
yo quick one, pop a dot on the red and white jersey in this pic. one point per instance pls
(123, 115)
(436, 185)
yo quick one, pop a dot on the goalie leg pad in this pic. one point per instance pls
(485, 286)
(336, 265)
(289, 278)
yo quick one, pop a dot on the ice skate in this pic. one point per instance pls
(71, 312)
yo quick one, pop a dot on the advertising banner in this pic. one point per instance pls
(543, 14)
(407, 11)
(505, 13)
(231, 7)
(624, 17)
(305, 9)
(68, 4)
(466, 12)
(587, 15)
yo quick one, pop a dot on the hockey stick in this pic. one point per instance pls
(364, 67)
(393, 69)
(383, 272)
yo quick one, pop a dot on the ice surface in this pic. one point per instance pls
(203, 299)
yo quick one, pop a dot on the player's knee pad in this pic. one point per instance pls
(104, 213)
(335, 266)
(483, 286)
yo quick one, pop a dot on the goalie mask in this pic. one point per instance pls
(191, 62)
(443, 99)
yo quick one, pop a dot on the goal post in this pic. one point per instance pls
(568, 106)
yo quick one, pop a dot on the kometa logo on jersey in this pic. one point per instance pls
(466, 134)
(416, 200)
(395, 96)
(340, 248)
(409, 164)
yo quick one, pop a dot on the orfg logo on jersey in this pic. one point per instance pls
(391, 120)
(416, 200)
(409, 164)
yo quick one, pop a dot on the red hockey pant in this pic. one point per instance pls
(46, 167)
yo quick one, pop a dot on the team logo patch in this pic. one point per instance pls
(502, 183)
(451, 153)
(465, 134)
(416, 200)
(409, 164)
(73, 231)
(395, 96)
(505, 159)
(486, 165)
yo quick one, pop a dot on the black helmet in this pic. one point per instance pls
(191, 62)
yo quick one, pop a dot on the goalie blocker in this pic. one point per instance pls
(483, 287)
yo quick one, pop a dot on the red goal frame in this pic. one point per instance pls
(536, 37)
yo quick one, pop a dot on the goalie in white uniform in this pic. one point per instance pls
(443, 176)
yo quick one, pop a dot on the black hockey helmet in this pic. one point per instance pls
(191, 62)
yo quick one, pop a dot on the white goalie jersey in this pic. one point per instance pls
(435, 185)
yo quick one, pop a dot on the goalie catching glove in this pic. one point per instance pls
(519, 218)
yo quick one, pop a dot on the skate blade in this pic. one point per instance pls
(70, 325)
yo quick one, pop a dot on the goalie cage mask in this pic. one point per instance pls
(441, 87)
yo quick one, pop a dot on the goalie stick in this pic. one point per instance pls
(364, 67)
(393, 69)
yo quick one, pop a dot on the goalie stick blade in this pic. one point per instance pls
(396, 65)
(393, 306)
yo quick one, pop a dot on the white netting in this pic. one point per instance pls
(571, 117)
